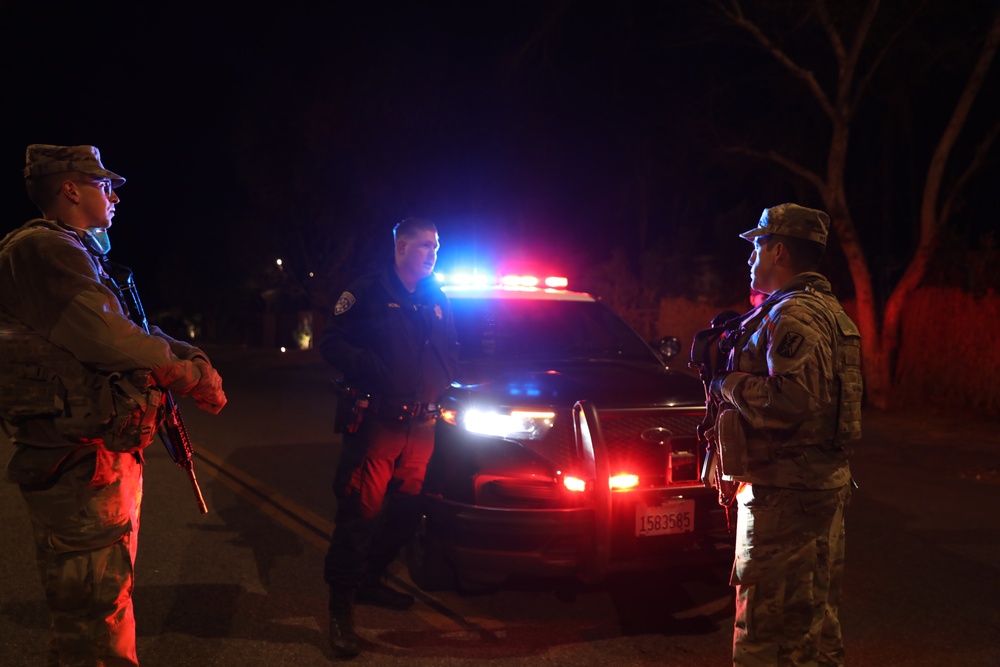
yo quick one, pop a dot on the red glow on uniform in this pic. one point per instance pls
(624, 481)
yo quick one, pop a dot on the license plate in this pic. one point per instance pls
(670, 518)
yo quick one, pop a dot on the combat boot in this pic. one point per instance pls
(343, 638)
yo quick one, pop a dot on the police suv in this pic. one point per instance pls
(565, 447)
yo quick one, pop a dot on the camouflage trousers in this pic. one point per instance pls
(85, 523)
(787, 572)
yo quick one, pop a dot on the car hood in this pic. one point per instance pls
(563, 383)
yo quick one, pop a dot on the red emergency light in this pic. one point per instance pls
(623, 481)
(510, 280)
(620, 482)
(554, 282)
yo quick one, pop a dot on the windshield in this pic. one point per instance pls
(519, 329)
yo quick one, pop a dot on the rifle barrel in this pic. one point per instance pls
(200, 499)
(173, 433)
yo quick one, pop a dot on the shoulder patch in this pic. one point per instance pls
(789, 345)
(344, 303)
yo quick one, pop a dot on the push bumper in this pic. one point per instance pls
(491, 544)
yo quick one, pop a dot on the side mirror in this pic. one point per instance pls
(667, 347)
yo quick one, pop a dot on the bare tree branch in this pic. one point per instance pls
(864, 80)
(831, 30)
(982, 152)
(786, 162)
(537, 50)
(735, 14)
(849, 64)
(931, 217)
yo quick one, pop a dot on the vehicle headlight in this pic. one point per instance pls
(516, 424)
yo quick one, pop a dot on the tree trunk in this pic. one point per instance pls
(874, 360)
(932, 216)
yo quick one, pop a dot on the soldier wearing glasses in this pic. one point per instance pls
(80, 401)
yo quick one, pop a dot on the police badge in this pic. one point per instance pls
(344, 303)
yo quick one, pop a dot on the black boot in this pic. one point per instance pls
(343, 639)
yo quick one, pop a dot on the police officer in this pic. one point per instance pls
(81, 399)
(791, 405)
(393, 338)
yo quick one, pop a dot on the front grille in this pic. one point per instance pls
(667, 456)
(676, 461)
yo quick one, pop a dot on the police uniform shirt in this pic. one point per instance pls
(393, 344)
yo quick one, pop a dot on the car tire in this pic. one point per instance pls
(427, 562)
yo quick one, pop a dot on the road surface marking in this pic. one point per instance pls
(316, 530)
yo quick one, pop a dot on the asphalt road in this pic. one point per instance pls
(241, 586)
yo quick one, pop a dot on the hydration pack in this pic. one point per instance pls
(847, 363)
(849, 378)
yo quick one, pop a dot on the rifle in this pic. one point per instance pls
(705, 351)
(173, 433)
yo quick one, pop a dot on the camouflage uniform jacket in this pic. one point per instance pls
(52, 284)
(795, 379)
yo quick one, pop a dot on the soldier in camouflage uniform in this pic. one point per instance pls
(85, 401)
(791, 404)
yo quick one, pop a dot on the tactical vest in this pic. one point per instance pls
(847, 360)
(40, 380)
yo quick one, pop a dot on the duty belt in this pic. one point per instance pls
(405, 412)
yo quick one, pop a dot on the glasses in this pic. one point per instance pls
(104, 186)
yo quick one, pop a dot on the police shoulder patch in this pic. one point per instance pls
(344, 303)
(789, 345)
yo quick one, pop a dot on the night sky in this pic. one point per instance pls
(539, 136)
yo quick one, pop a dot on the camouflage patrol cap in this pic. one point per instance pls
(42, 159)
(792, 220)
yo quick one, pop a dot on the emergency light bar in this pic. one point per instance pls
(465, 279)
(519, 281)
(460, 279)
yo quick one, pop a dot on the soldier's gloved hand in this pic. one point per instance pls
(715, 388)
(181, 378)
(207, 393)
(726, 385)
